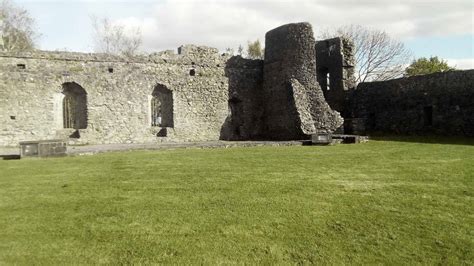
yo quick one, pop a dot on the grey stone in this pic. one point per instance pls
(440, 103)
(335, 70)
(289, 80)
(43, 148)
(200, 94)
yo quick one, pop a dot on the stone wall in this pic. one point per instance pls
(335, 70)
(199, 94)
(119, 91)
(290, 80)
(195, 95)
(246, 103)
(440, 103)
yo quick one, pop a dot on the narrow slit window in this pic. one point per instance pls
(328, 81)
(324, 78)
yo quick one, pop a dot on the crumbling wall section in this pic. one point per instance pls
(290, 54)
(440, 103)
(245, 117)
(335, 70)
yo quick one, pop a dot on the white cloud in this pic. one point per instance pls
(466, 63)
(228, 23)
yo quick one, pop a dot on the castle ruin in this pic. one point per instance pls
(302, 87)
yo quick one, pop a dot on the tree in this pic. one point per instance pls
(423, 66)
(240, 50)
(378, 56)
(255, 50)
(17, 28)
(115, 38)
(229, 50)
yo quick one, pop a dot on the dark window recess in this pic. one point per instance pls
(428, 115)
(372, 121)
(192, 72)
(162, 107)
(74, 106)
(21, 66)
(111, 70)
(12, 117)
(324, 79)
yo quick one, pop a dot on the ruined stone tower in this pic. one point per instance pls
(295, 105)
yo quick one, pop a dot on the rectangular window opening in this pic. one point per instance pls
(428, 116)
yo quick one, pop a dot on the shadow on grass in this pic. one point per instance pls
(452, 140)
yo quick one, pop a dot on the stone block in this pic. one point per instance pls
(43, 148)
(321, 139)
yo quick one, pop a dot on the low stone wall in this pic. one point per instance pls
(440, 103)
(45, 148)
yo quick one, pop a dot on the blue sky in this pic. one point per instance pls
(443, 28)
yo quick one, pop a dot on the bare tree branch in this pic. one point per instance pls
(17, 28)
(378, 56)
(115, 38)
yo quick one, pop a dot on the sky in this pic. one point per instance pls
(443, 28)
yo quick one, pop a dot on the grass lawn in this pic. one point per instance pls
(396, 202)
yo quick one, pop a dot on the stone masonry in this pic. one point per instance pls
(199, 94)
(298, 107)
(440, 104)
(335, 70)
(118, 95)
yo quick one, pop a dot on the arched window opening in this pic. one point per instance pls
(74, 106)
(162, 107)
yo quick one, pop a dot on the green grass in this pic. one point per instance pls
(388, 202)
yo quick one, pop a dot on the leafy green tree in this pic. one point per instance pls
(17, 28)
(255, 50)
(423, 66)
